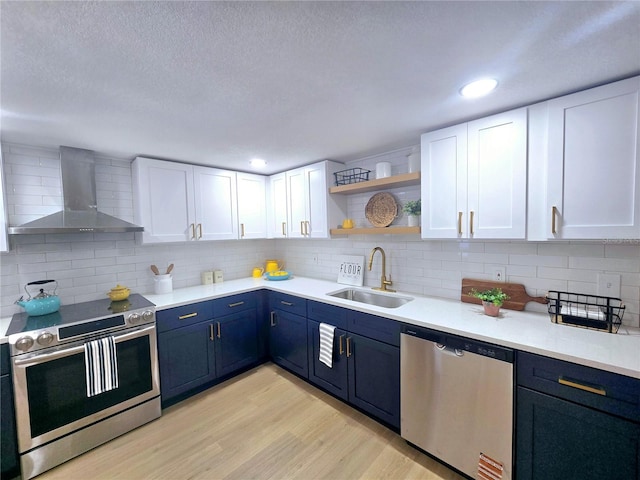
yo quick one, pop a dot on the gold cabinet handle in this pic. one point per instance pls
(188, 315)
(199, 231)
(237, 304)
(193, 231)
(288, 304)
(340, 343)
(580, 386)
(306, 227)
(459, 223)
(284, 229)
(554, 213)
(218, 329)
(471, 222)
(242, 230)
(273, 319)
(301, 227)
(211, 332)
(348, 347)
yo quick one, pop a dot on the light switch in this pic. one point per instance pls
(609, 285)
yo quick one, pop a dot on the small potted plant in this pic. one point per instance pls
(413, 209)
(492, 299)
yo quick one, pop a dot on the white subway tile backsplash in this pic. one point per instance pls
(539, 260)
(606, 264)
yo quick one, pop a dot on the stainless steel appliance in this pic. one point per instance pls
(456, 398)
(56, 419)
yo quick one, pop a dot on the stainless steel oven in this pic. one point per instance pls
(56, 417)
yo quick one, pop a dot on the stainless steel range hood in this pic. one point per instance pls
(80, 212)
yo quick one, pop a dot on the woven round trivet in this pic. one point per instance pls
(381, 209)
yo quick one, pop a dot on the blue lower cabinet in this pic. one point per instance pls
(187, 358)
(334, 379)
(374, 378)
(560, 440)
(236, 341)
(288, 341)
(9, 444)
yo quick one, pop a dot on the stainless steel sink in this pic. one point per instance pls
(369, 297)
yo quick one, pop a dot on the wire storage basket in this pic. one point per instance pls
(586, 311)
(351, 175)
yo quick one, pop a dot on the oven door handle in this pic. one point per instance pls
(80, 348)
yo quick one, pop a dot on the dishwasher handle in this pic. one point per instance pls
(456, 352)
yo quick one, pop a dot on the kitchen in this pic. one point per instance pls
(88, 265)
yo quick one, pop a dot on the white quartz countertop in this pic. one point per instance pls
(526, 331)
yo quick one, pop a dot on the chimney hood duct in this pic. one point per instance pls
(80, 212)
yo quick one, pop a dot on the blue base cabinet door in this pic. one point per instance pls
(236, 341)
(187, 358)
(374, 377)
(288, 341)
(560, 440)
(334, 379)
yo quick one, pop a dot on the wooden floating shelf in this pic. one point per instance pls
(402, 180)
(375, 231)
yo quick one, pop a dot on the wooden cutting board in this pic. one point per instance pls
(518, 296)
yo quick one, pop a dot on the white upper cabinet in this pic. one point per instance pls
(474, 179)
(310, 209)
(251, 205)
(4, 243)
(176, 202)
(593, 171)
(277, 206)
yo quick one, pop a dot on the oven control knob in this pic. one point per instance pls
(45, 338)
(134, 318)
(24, 343)
(147, 315)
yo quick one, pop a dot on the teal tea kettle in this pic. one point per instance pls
(43, 303)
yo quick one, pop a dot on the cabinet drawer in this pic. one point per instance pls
(234, 303)
(184, 315)
(288, 303)
(5, 364)
(375, 327)
(605, 391)
(321, 312)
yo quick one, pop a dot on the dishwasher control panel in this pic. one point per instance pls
(453, 341)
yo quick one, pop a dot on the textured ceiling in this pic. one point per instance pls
(218, 83)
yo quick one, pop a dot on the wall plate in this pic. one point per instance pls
(351, 270)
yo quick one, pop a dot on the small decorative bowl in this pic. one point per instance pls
(119, 293)
(277, 275)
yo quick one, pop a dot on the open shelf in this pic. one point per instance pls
(402, 180)
(402, 230)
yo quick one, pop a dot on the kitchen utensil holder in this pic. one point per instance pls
(587, 311)
(351, 175)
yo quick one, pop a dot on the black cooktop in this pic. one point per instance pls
(77, 312)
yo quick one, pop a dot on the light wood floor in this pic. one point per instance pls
(264, 424)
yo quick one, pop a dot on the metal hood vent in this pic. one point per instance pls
(80, 212)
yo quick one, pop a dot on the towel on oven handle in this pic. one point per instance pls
(101, 366)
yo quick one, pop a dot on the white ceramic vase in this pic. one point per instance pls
(414, 220)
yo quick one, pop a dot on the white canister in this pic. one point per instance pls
(383, 169)
(217, 276)
(206, 277)
(163, 284)
(414, 162)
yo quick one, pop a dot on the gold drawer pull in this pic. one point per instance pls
(579, 386)
(459, 223)
(218, 329)
(288, 304)
(284, 232)
(471, 222)
(211, 332)
(237, 304)
(188, 315)
(341, 347)
(554, 213)
(348, 347)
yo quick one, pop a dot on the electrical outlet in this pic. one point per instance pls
(499, 274)
(315, 258)
(609, 285)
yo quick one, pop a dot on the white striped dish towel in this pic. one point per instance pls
(101, 366)
(326, 344)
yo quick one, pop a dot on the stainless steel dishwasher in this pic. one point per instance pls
(456, 398)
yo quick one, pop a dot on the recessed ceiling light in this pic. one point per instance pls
(257, 163)
(478, 88)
